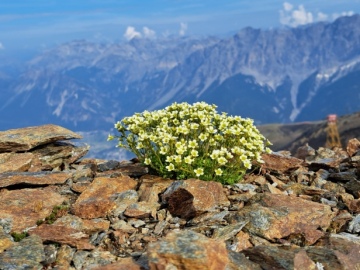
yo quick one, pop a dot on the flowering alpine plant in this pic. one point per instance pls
(193, 141)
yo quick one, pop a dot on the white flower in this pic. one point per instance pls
(170, 167)
(193, 144)
(188, 160)
(218, 171)
(147, 161)
(177, 159)
(194, 153)
(203, 137)
(199, 171)
(222, 160)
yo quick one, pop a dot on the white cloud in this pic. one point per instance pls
(344, 13)
(322, 16)
(291, 16)
(183, 28)
(148, 33)
(131, 33)
(287, 6)
(1, 46)
(295, 17)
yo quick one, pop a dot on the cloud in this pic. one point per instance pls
(295, 17)
(344, 13)
(322, 17)
(131, 33)
(291, 16)
(287, 6)
(148, 33)
(183, 28)
(1, 46)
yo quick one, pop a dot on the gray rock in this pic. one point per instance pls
(27, 254)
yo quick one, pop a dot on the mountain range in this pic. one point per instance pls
(273, 76)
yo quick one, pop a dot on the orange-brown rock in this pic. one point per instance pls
(23, 139)
(26, 206)
(121, 264)
(151, 186)
(242, 241)
(40, 178)
(63, 235)
(353, 146)
(97, 200)
(11, 162)
(192, 197)
(281, 163)
(86, 225)
(142, 210)
(275, 216)
(187, 250)
(302, 262)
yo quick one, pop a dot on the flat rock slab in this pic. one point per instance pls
(275, 216)
(85, 225)
(24, 139)
(280, 163)
(26, 206)
(187, 250)
(37, 178)
(99, 197)
(27, 254)
(63, 235)
(15, 162)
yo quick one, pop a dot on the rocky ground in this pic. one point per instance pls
(58, 211)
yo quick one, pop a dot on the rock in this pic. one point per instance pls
(27, 254)
(241, 242)
(11, 162)
(30, 178)
(190, 198)
(326, 158)
(123, 200)
(85, 225)
(151, 187)
(122, 264)
(115, 169)
(5, 240)
(24, 139)
(53, 156)
(342, 176)
(142, 210)
(275, 216)
(336, 252)
(229, 231)
(96, 200)
(280, 163)
(50, 254)
(271, 257)
(354, 225)
(353, 147)
(353, 187)
(63, 235)
(304, 152)
(64, 257)
(302, 261)
(187, 250)
(26, 206)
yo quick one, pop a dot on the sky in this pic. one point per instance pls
(41, 24)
